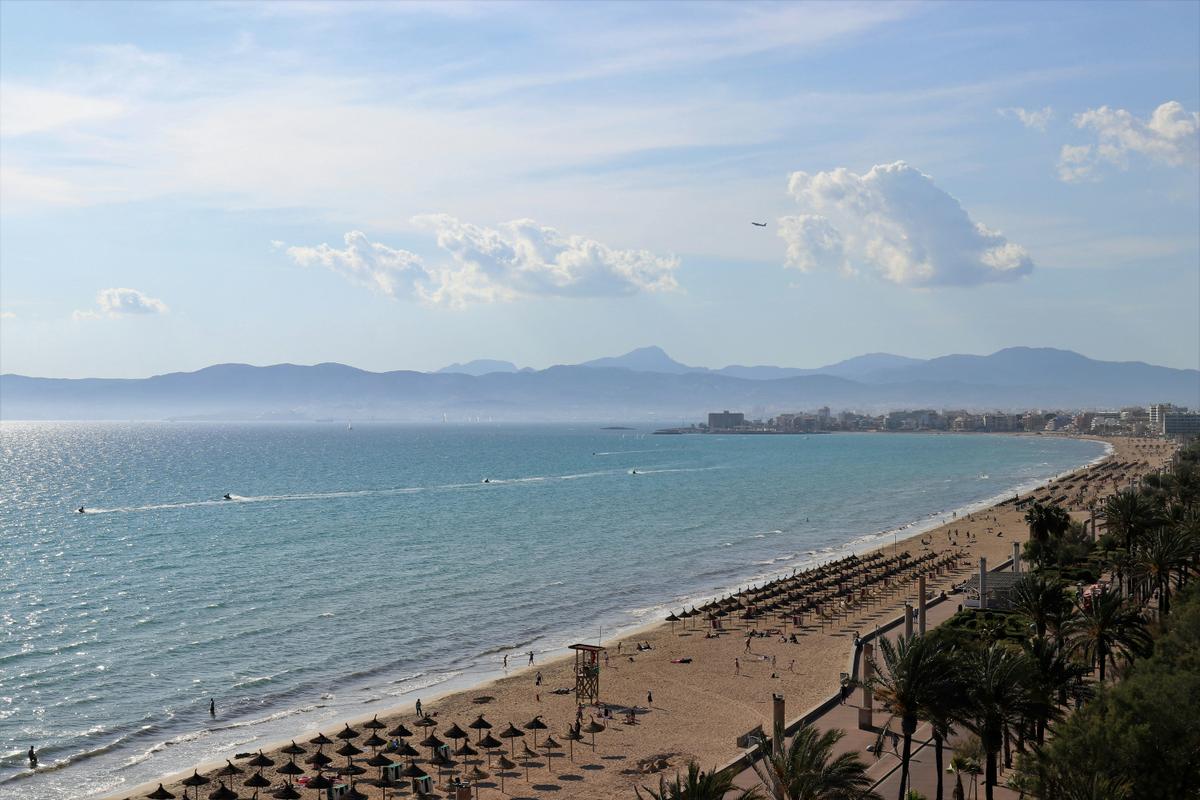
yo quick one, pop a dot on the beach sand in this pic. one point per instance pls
(698, 709)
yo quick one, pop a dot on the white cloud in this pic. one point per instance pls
(1030, 119)
(515, 259)
(1170, 136)
(30, 109)
(7, 315)
(120, 302)
(894, 221)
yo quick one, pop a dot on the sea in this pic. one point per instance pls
(359, 567)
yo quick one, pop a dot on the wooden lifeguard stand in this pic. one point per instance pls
(587, 673)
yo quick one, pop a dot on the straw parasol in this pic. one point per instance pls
(475, 776)
(413, 771)
(259, 761)
(465, 749)
(347, 733)
(290, 769)
(292, 749)
(407, 750)
(228, 771)
(481, 725)
(320, 782)
(573, 736)
(550, 746)
(671, 618)
(222, 793)
(400, 732)
(256, 782)
(319, 760)
(426, 722)
(349, 750)
(505, 766)
(374, 724)
(512, 733)
(593, 728)
(454, 732)
(286, 792)
(160, 794)
(320, 740)
(374, 741)
(528, 755)
(194, 781)
(490, 743)
(536, 725)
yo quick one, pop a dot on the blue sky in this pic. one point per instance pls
(401, 186)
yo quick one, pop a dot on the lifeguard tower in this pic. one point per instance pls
(587, 673)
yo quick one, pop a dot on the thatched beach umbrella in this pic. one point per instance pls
(194, 781)
(505, 766)
(222, 793)
(454, 732)
(291, 770)
(374, 741)
(320, 740)
(413, 771)
(374, 724)
(286, 792)
(320, 782)
(573, 736)
(593, 728)
(475, 776)
(407, 750)
(347, 733)
(160, 794)
(426, 722)
(490, 743)
(292, 749)
(550, 746)
(536, 725)
(381, 761)
(512, 733)
(349, 750)
(481, 725)
(528, 755)
(432, 742)
(256, 782)
(671, 618)
(319, 760)
(228, 771)
(400, 732)
(259, 761)
(466, 750)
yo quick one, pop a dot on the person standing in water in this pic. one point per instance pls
(32, 758)
(418, 706)
(212, 707)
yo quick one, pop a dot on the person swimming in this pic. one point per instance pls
(80, 510)
(633, 472)
(227, 496)
(487, 480)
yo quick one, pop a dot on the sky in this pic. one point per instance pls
(406, 185)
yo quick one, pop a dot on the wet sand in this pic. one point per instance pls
(697, 710)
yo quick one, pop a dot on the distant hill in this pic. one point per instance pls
(1015, 378)
(481, 366)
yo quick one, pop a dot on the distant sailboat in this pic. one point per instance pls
(349, 426)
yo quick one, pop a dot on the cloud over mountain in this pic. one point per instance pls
(119, 302)
(895, 222)
(515, 259)
(1170, 136)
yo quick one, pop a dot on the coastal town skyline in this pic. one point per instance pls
(190, 184)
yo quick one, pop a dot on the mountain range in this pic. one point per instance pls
(644, 384)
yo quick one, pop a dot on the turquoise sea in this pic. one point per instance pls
(357, 569)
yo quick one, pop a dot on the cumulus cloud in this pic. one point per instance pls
(895, 222)
(121, 302)
(1030, 119)
(515, 259)
(1170, 136)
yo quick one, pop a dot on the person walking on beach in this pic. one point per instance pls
(418, 706)
(537, 680)
(531, 657)
(32, 758)
(737, 667)
(747, 650)
(212, 708)
(649, 698)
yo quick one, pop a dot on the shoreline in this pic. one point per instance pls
(468, 683)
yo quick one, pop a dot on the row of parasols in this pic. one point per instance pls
(382, 752)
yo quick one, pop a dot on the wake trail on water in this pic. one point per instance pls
(237, 499)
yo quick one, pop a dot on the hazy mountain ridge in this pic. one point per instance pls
(1015, 378)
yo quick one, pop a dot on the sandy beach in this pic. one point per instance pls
(692, 711)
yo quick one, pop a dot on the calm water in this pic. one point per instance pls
(359, 569)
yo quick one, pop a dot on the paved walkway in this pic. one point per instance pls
(884, 768)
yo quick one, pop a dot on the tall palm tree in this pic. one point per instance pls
(1108, 628)
(1129, 514)
(1052, 675)
(1039, 598)
(1046, 520)
(1162, 551)
(998, 698)
(916, 673)
(698, 786)
(808, 770)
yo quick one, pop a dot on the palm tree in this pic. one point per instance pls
(1045, 521)
(699, 786)
(1129, 514)
(807, 769)
(941, 714)
(1053, 674)
(917, 673)
(962, 765)
(1163, 550)
(1039, 598)
(998, 697)
(1107, 628)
